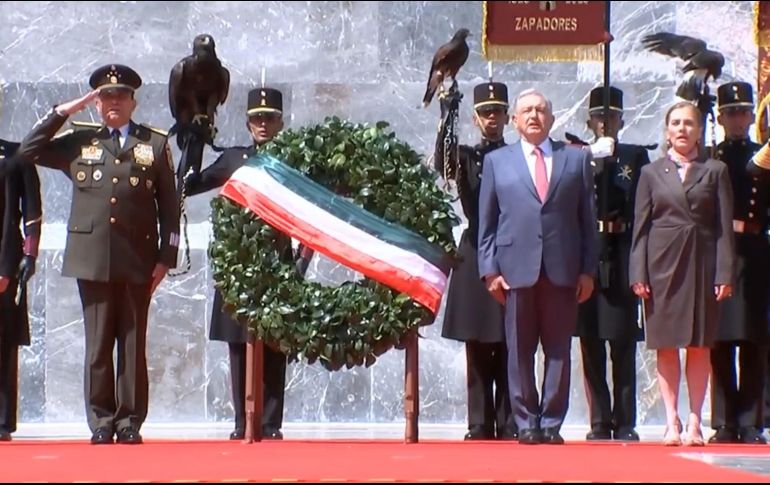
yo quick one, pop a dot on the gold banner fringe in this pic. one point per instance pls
(755, 20)
(484, 30)
(762, 128)
(761, 36)
(762, 157)
(544, 53)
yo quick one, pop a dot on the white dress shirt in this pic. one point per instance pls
(529, 156)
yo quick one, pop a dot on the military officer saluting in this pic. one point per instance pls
(20, 207)
(611, 314)
(265, 120)
(737, 404)
(472, 315)
(122, 237)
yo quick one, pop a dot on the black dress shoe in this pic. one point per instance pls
(129, 436)
(725, 434)
(269, 433)
(529, 437)
(238, 434)
(599, 433)
(508, 433)
(102, 436)
(551, 436)
(626, 434)
(752, 436)
(5, 435)
(476, 433)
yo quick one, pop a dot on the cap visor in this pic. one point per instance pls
(263, 109)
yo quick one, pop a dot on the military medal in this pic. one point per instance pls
(91, 153)
(97, 175)
(143, 154)
(134, 181)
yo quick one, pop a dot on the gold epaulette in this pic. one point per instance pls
(762, 158)
(86, 124)
(156, 130)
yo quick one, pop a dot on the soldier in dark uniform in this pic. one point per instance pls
(737, 405)
(611, 314)
(472, 315)
(265, 120)
(122, 237)
(20, 199)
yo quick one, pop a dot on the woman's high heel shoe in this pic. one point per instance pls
(694, 436)
(671, 437)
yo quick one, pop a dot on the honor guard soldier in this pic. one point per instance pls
(20, 206)
(611, 314)
(472, 315)
(265, 121)
(122, 237)
(737, 403)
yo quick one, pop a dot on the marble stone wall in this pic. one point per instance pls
(362, 61)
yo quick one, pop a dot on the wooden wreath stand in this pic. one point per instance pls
(254, 391)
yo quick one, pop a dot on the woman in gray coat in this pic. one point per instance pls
(682, 262)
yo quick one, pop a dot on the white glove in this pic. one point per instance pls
(602, 147)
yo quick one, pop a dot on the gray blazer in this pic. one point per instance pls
(682, 246)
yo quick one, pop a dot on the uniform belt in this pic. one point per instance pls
(746, 227)
(612, 227)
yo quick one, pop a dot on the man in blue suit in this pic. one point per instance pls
(538, 255)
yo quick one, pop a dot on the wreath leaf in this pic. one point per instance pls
(354, 323)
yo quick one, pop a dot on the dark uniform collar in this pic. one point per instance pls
(490, 145)
(738, 141)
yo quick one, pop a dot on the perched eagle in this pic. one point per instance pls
(198, 83)
(447, 61)
(701, 63)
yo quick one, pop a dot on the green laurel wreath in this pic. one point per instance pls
(352, 324)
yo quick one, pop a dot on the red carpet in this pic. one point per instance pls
(362, 461)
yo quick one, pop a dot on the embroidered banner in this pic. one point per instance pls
(762, 39)
(544, 31)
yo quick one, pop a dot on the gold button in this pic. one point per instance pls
(753, 190)
(148, 236)
(752, 202)
(751, 214)
(114, 180)
(117, 162)
(113, 200)
(112, 220)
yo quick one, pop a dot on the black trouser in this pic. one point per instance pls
(767, 393)
(9, 383)
(273, 381)
(734, 404)
(489, 402)
(115, 312)
(621, 414)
